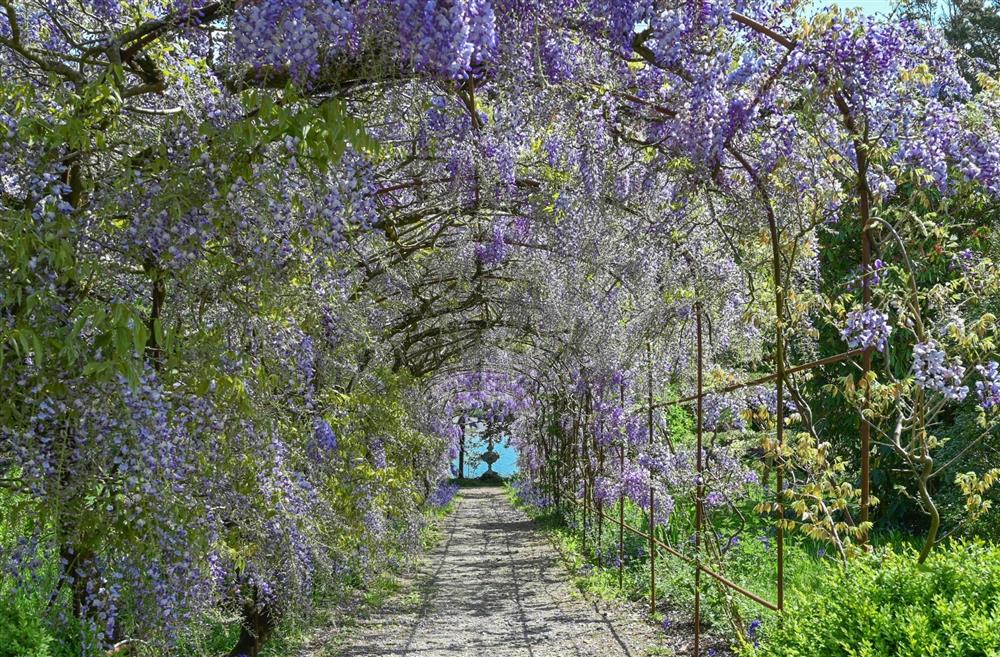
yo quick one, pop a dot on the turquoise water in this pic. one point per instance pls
(506, 466)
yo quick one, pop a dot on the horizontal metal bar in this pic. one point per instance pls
(736, 587)
(657, 541)
(683, 557)
(829, 360)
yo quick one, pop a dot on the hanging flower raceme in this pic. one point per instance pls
(448, 38)
(867, 328)
(495, 250)
(721, 412)
(378, 455)
(934, 371)
(988, 390)
(324, 439)
(299, 36)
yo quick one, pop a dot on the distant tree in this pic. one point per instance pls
(919, 9)
(972, 26)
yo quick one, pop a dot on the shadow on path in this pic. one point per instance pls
(494, 587)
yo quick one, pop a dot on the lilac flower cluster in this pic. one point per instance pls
(762, 398)
(378, 454)
(448, 38)
(867, 328)
(965, 260)
(607, 489)
(876, 272)
(138, 440)
(442, 495)
(934, 371)
(300, 35)
(724, 477)
(324, 440)
(494, 251)
(753, 631)
(988, 390)
(532, 494)
(636, 486)
(721, 412)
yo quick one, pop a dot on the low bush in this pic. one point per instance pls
(889, 605)
(22, 633)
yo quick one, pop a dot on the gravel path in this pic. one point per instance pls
(494, 587)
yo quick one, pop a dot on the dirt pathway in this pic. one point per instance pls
(494, 587)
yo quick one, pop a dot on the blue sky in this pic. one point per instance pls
(869, 6)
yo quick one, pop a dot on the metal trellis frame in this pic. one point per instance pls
(593, 510)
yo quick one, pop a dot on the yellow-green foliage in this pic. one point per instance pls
(887, 605)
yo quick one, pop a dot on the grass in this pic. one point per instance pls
(341, 610)
(751, 562)
(22, 611)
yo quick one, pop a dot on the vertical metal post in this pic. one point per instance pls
(652, 500)
(779, 367)
(461, 449)
(866, 365)
(699, 489)
(598, 504)
(576, 454)
(621, 504)
(585, 450)
(580, 445)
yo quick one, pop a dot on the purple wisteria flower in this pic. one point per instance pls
(988, 390)
(442, 495)
(866, 328)
(722, 412)
(934, 371)
(965, 260)
(297, 34)
(494, 251)
(753, 631)
(715, 499)
(377, 450)
(324, 438)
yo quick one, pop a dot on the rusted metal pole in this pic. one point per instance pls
(779, 385)
(557, 483)
(779, 363)
(769, 378)
(703, 568)
(575, 470)
(652, 498)
(699, 509)
(461, 449)
(866, 360)
(581, 440)
(861, 153)
(585, 456)
(621, 503)
(598, 504)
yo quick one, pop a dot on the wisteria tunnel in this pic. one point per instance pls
(440, 328)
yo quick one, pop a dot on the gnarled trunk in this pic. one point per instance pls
(257, 626)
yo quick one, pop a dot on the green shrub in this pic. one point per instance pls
(22, 633)
(888, 605)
